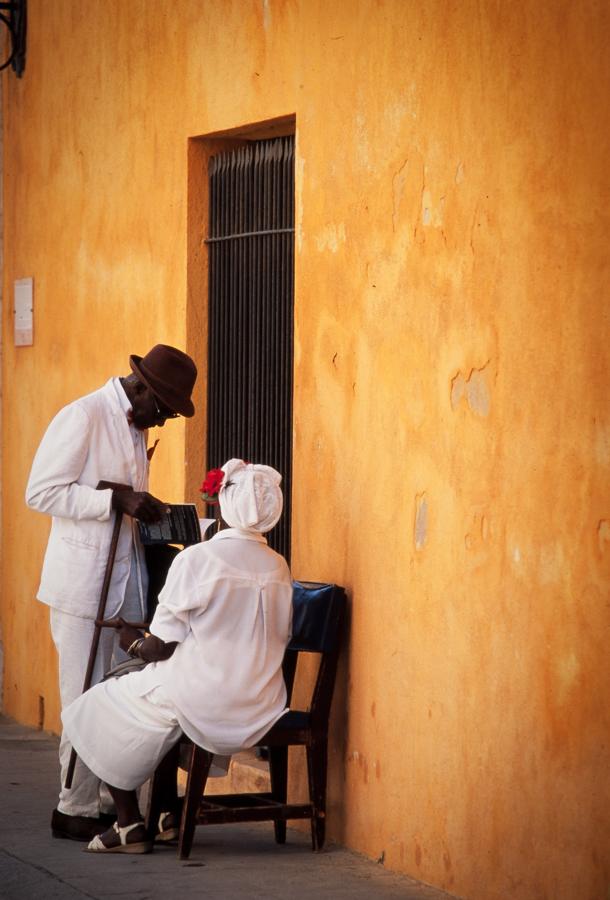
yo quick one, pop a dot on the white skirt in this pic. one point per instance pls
(122, 728)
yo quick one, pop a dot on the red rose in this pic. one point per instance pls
(211, 485)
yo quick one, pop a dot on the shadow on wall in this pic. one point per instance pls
(337, 734)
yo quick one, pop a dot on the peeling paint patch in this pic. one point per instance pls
(459, 173)
(517, 555)
(432, 214)
(331, 237)
(603, 534)
(602, 444)
(420, 532)
(474, 389)
(266, 15)
(457, 389)
(394, 115)
(478, 393)
(360, 759)
(552, 564)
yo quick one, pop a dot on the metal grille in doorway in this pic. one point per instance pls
(250, 311)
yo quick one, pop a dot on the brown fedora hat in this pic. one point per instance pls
(170, 374)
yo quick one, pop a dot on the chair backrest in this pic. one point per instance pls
(317, 614)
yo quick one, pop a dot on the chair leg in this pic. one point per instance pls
(163, 786)
(199, 767)
(317, 764)
(278, 771)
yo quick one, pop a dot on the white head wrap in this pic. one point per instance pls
(250, 496)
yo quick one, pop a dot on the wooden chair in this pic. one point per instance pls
(318, 611)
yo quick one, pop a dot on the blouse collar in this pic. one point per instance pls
(240, 534)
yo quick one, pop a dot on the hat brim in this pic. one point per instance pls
(163, 391)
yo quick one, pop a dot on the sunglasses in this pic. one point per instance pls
(162, 411)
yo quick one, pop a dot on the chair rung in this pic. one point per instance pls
(221, 801)
(269, 812)
(282, 738)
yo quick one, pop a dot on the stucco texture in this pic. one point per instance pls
(451, 417)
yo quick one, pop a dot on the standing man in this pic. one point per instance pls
(99, 437)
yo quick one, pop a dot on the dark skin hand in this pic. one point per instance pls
(138, 504)
(152, 650)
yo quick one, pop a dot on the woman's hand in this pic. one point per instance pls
(127, 633)
(152, 649)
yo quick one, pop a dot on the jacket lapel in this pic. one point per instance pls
(122, 429)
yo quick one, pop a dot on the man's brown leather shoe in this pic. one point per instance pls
(77, 828)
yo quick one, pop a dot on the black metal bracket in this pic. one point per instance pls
(14, 16)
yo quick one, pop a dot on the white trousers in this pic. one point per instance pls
(72, 636)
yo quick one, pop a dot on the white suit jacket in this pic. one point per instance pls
(88, 441)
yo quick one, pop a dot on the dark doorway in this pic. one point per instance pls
(251, 301)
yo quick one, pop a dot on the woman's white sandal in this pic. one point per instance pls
(98, 846)
(166, 833)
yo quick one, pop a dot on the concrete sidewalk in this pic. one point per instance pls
(227, 862)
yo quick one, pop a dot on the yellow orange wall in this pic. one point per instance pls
(451, 424)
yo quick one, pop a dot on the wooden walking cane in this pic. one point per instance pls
(97, 631)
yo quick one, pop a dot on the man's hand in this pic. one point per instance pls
(138, 505)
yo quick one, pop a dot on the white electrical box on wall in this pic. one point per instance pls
(24, 312)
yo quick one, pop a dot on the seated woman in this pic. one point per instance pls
(215, 654)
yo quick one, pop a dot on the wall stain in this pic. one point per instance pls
(603, 534)
(479, 532)
(398, 183)
(417, 855)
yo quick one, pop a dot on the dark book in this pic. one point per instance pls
(180, 525)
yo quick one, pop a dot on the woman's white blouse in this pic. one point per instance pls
(228, 603)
